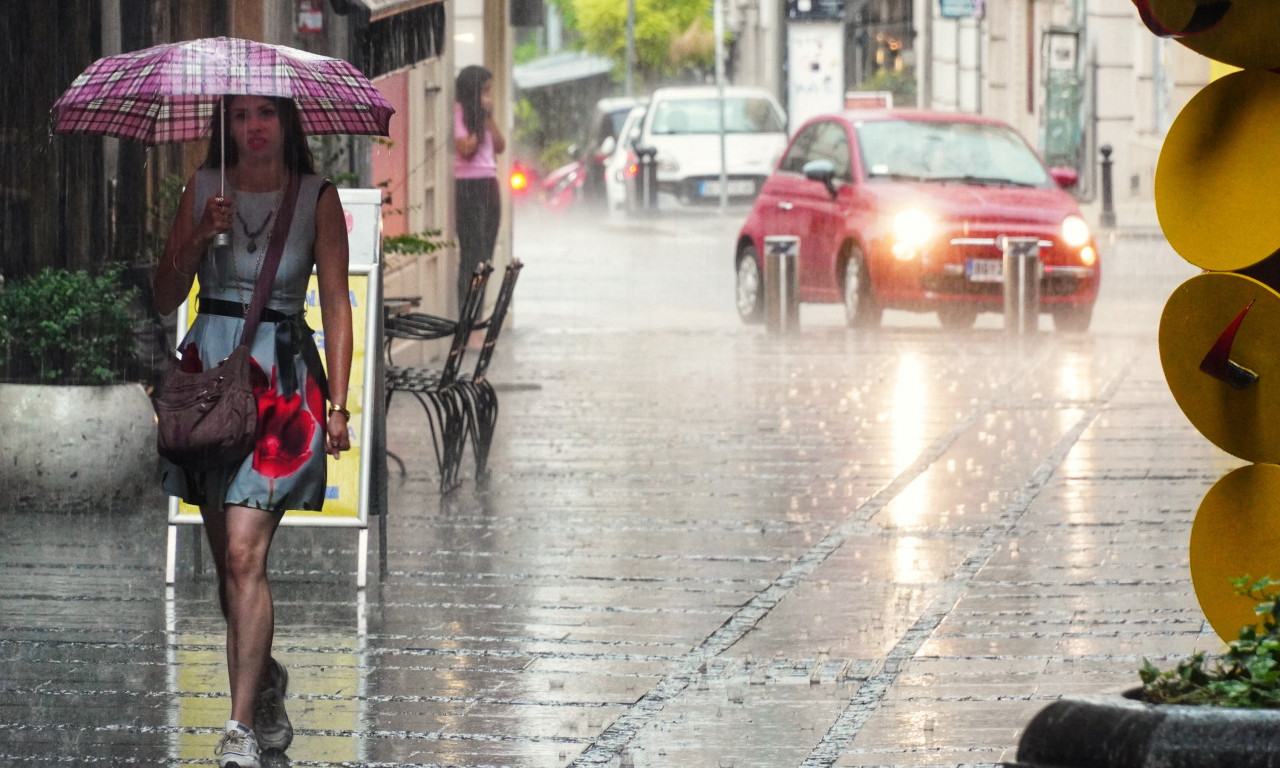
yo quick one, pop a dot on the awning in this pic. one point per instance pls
(377, 10)
(393, 34)
(560, 68)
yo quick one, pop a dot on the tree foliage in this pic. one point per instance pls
(671, 35)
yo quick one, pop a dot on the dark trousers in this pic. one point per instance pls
(479, 210)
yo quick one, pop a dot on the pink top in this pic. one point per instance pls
(483, 164)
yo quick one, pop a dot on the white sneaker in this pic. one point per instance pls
(271, 722)
(238, 748)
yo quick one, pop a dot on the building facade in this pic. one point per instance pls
(1071, 75)
(85, 201)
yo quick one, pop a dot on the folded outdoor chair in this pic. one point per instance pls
(437, 389)
(477, 391)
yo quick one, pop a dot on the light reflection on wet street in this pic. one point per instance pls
(701, 545)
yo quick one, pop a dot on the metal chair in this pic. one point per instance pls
(437, 389)
(478, 394)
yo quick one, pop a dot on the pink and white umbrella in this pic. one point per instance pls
(168, 93)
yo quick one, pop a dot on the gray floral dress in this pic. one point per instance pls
(287, 468)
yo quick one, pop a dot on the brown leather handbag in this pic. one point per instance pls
(209, 418)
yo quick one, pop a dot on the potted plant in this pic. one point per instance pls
(1207, 711)
(75, 433)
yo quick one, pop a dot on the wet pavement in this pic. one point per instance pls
(701, 545)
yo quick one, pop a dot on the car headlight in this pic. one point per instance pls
(1075, 231)
(912, 229)
(668, 164)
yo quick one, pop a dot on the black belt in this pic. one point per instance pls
(232, 309)
(292, 334)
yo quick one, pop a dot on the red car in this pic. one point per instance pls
(904, 209)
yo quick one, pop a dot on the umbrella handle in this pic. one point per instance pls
(222, 239)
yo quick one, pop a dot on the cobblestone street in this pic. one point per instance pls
(702, 546)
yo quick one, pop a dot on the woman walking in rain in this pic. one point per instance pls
(477, 200)
(242, 504)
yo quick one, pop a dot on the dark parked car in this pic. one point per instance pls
(583, 179)
(905, 209)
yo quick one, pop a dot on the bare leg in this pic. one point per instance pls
(244, 537)
(215, 528)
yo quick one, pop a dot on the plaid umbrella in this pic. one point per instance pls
(169, 92)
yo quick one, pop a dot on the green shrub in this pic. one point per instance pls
(901, 84)
(426, 241)
(555, 155)
(63, 327)
(1247, 674)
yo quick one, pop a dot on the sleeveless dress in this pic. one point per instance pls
(287, 468)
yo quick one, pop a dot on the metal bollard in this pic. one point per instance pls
(1108, 204)
(781, 284)
(647, 179)
(1022, 272)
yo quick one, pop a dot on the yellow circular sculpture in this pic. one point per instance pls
(1238, 32)
(1236, 533)
(1215, 182)
(1219, 336)
(1216, 179)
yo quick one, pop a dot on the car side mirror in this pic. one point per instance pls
(607, 146)
(1065, 177)
(823, 171)
(574, 151)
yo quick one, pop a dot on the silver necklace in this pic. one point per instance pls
(253, 236)
(252, 247)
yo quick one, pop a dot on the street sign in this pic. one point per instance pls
(815, 10)
(960, 9)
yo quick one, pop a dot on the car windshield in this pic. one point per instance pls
(617, 118)
(972, 153)
(741, 115)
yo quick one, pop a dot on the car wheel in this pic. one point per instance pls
(957, 317)
(750, 287)
(1073, 319)
(860, 309)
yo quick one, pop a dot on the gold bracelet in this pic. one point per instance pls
(339, 409)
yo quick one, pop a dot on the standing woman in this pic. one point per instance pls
(478, 142)
(242, 504)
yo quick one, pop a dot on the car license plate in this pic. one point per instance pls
(733, 187)
(985, 270)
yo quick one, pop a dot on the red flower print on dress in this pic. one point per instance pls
(315, 398)
(189, 359)
(285, 429)
(259, 381)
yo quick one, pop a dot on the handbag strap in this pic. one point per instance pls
(271, 261)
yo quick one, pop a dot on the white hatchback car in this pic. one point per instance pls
(683, 125)
(622, 164)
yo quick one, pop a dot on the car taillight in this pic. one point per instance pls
(519, 181)
(633, 165)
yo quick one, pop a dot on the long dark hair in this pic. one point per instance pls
(469, 86)
(297, 153)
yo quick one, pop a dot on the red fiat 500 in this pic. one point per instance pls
(907, 209)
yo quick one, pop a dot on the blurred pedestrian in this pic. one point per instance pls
(477, 200)
(242, 504)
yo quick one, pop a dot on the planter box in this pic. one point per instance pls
(70, 448)
(1114, 731)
